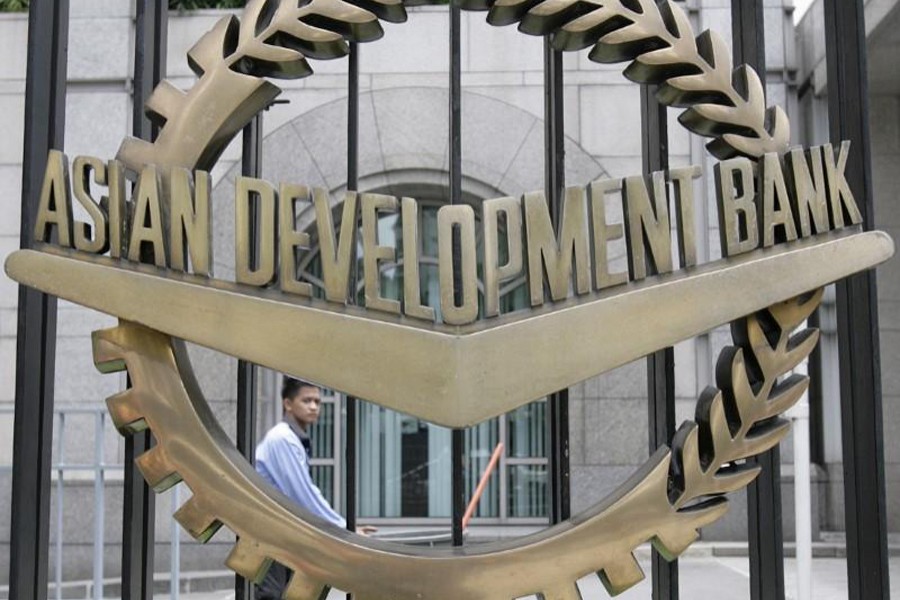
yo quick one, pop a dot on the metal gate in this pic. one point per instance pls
(858, 325)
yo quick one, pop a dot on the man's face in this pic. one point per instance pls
(304, 406)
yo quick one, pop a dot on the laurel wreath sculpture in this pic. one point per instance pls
(665, 502)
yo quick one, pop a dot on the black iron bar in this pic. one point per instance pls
(816, 399)
(748, 35)
(138, 527)
(45, 101)
(457, 451)
(660, 364)
(857, 315)
(247, 373)
(764, 527)
(554, 183)
(350, 508)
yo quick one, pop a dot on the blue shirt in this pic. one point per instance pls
(283, 462)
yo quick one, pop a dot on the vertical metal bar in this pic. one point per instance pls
(151, 24)
(764, 494)
(98, 505)
(458, 440)
(350, 449)
(45, 92)
(861, 414)
(816, 400)
(251, 166)
(554, 183)
(60, 503)
(748, 35)
(352, 185)
(660, 364)
(175, 548)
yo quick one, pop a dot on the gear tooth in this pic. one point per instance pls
(248, 559)
(165, 101)
(303, 587)
(157, 469)
(125, 413)
(670, 544)
(108, 355)
(197, 521)
(568, 591)
(135, 154)
(621, 574)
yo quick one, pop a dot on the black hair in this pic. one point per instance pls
(290, 387)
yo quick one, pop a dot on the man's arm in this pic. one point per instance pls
(287, 466)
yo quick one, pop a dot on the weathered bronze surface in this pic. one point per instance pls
(459, 375)
(55, 207)
(227, 491)
(555, 258)
(190, 213)
(255, 195)
(412, 292)
(448, 375)
(373, 253)
(648, 234)
(147, 235)
(335, 254)
(495, 273)
(460, 218)
(89, 237)
(290, 239)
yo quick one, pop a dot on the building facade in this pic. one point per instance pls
(404, 463)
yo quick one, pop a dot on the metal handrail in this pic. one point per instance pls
(60, 467)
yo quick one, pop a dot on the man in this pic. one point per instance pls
(282, 459)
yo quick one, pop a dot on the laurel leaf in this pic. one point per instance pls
(732, 478)
(680, 20)
(548, 16)
(252, 20)
(740, 419)
(213, 47)
(311, 41)
(791, 313)
(765, 437)
(696, 122)
(265, 60)
(630, 33)
(269, 53)
(755, 93)
(785, 394)
(720, 118)
(584, 31)
(730, 145)
(342, 18)
(690, 86)
(392, 11)
(663, 57)
(507, 12)
(714, 51)
(780, 129)
(800, 346)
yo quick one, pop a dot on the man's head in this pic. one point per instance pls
(300, 401)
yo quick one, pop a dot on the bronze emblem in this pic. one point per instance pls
(776, 217)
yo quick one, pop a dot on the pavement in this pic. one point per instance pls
(701, 578)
